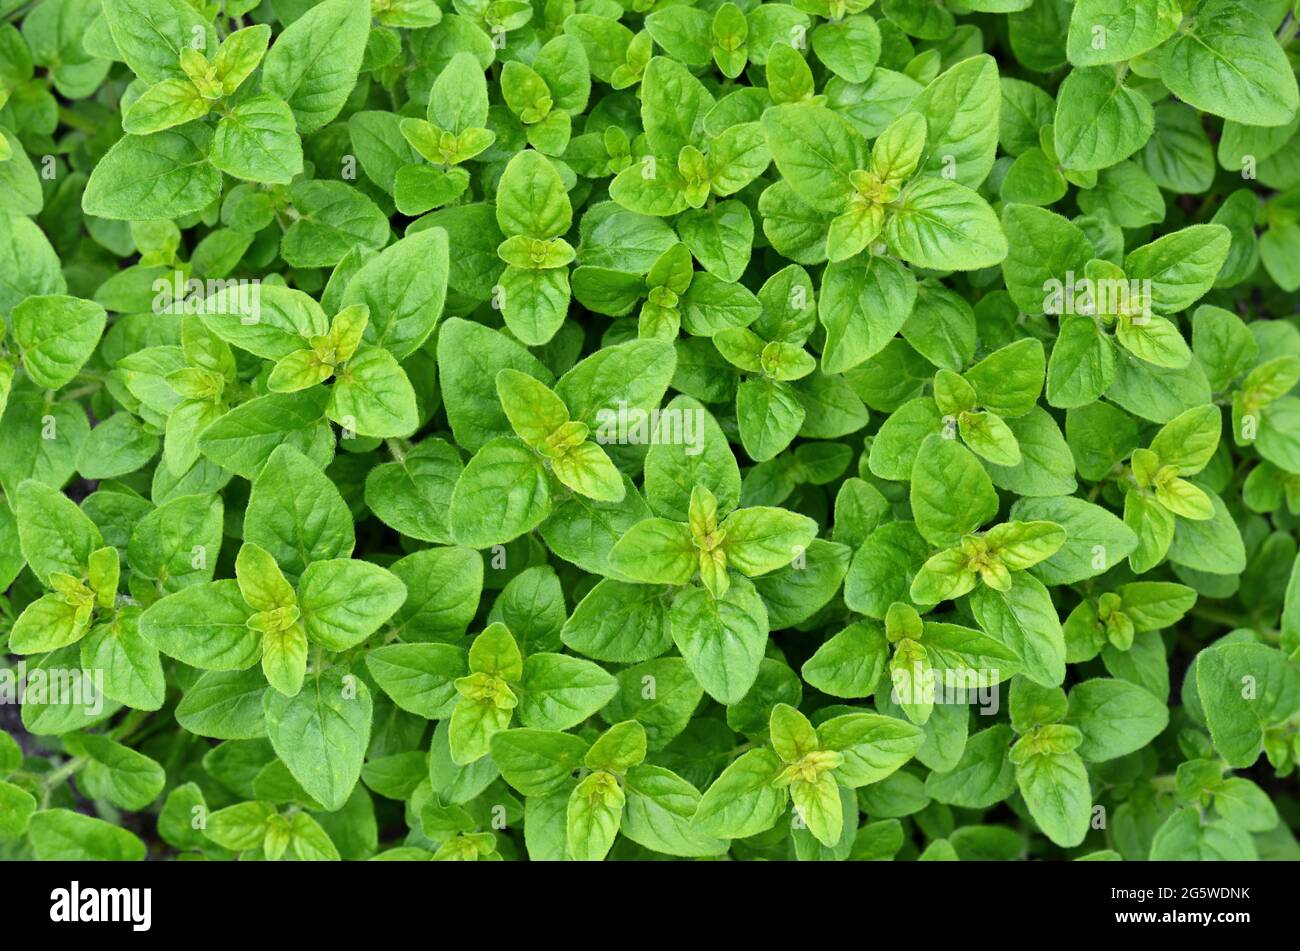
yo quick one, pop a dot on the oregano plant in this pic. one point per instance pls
(592, 430)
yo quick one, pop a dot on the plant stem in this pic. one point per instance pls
(74, 121)
(51, 781)
(1221, 617)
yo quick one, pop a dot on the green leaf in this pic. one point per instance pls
(982, 777)
(873, 746)
(1055, 787)
(619, 622)
(161, 175)
(373, 397)
(817, 803)
(62, 835)
(1023, 619)
(722, 639)
(559, 692)
(815, 150)
(538, 762)
(945, 226)
(961, 108)
(850, 663)
(177, 543)
(54, 533)
(742, 801)
(343, 602)
(296, 513)
(403, 287)
(763, 539)
(205, 626)
(1180, 266)
(411, 494)
(150, 34)
(243, 439)
(419, 677)
(1115, 718)
(321, 734)
(1082, 366)
(332, 218)
(659, 811)
(469, 358)
(118, 773)
(1184, 837)
(271, 322)
(57, 335)
(133, 673)
(594, 814)
(502, 494)
(16, 809)
(951, 494)
(1111, 31)
(313, 64)
(1095, 539)
(1228, 63)
(258, 142)
(1099, 121)
(1244, 689)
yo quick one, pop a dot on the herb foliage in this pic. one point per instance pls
(585, 429)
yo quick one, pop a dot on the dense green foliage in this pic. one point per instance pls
(555, 429)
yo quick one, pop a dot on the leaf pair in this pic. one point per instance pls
(753, 541)
(926, 652)
(808, 766)
(230, 625)
(615, 292)
(687, 162)
(65, 549)
(668, 279)
(533, 211)
(546, 95)
(927, 221)
(207, 383)
(1159, 493)
(1090, 294)
(64, 615)
(1005, 383)
(770, 411)
(1117, 616)
(505, 490)
(988, 557)
(371, 394)
(202, 82)
(481, 690)
(1101, 720)
(595, 808)
(260, 829)
(454, 132)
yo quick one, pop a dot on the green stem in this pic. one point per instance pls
(86, 390)
(53, 780)
(130, 723)
(742, 748)
(1165, 784)
(1221, 617)
(15, 14)
(74, 121)
(1288, 32)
